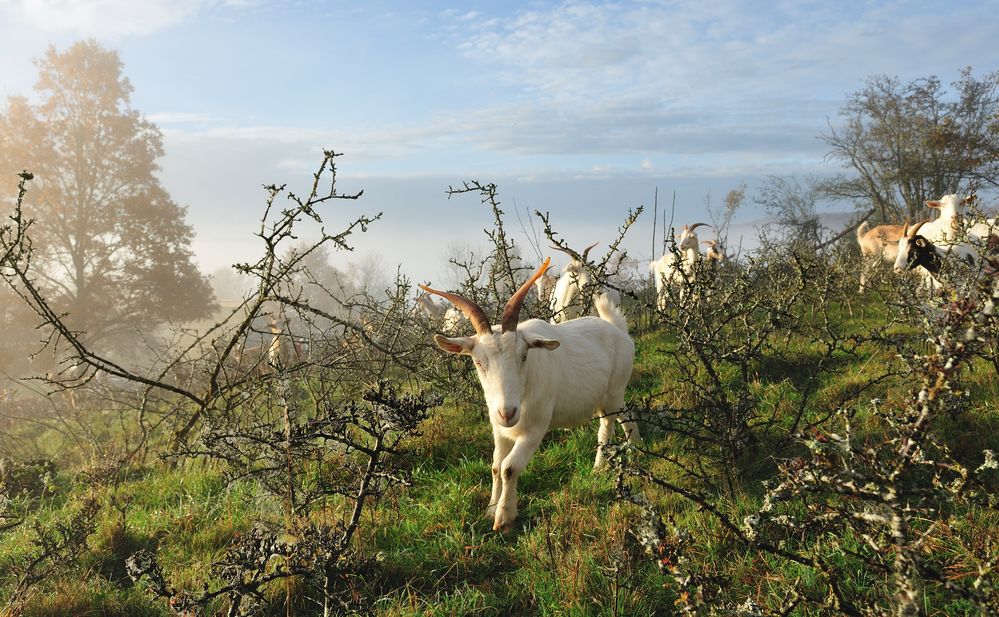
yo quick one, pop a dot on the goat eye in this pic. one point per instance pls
(524, 358)
(920, 243)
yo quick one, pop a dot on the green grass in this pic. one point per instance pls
(570, 551)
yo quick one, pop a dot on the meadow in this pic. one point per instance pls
(806, 450)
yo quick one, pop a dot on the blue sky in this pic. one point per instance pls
(578, 108)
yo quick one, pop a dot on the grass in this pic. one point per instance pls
(570, 552)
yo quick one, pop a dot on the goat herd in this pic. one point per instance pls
(536, 375)
(923, 247)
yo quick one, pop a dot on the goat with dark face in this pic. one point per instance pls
(916, 250)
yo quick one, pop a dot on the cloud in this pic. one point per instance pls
(105, 18)
(720, 54)
(728, 85)
(180, 118)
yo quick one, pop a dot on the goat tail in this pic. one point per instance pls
(610, 312)
(861, 230)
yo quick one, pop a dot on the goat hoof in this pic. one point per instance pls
(502, 527)
(503, 523)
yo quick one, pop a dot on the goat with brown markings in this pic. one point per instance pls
(877, 244)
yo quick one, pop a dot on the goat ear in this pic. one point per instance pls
(459, 344)
(539, 343)
(933, 204)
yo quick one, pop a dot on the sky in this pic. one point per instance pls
(580, 109)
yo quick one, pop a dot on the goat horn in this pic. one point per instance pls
(915, 228)
(586, 251)
(511, 312)
(696, 225)
(471, 310)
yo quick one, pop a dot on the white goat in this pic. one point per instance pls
(945, 228)
(432, 310)
(285, 349)
(669, 270)
(714, 253)
(579, 371)
(450, 318)
(914, 249)
(453, 320)
(877, 244)
(567, 296)
(948, 231)
(545, 286)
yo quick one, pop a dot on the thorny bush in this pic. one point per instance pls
(867, 510)
(291, 391)
(309, 388)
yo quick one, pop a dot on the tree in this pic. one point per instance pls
(317, 282)
(793, 206)
(910, 142)
(112, 249)
(20, 338)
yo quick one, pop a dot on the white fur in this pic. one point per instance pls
(714, 252)
(566, 297)
(432, 309)
(947, 235)
(944, 229)
(285, 350)
(547, 375)
(979, 232)
(453, 319)
(906, 245)
(545, 286)
(668, 270)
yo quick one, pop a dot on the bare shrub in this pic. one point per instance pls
(288, 392)
(867, 508)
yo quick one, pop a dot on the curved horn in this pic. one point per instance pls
(586, 251)
(471, 310)
(915, 228)
(696, 225)
(511, 312)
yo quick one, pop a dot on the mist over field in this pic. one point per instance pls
(324, 309)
